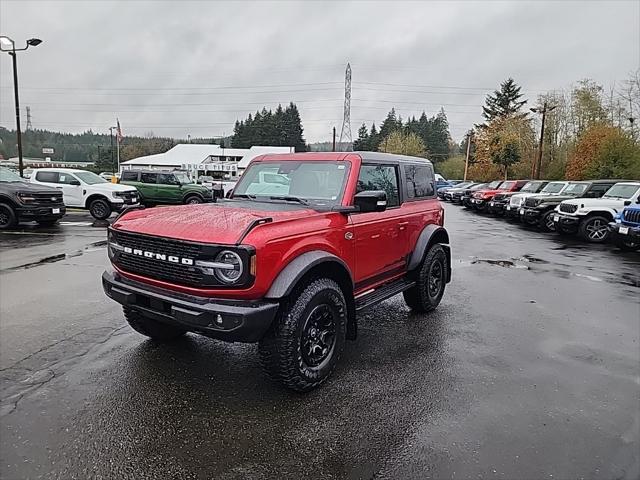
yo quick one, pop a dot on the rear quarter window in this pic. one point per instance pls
(419, 180)
(48, 177)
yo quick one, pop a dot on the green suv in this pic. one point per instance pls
(165, 187)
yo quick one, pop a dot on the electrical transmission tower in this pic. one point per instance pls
(29, 126)
(345, 133)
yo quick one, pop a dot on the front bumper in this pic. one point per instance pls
(630, 232)
(512, 211)
(228, 320)
(566, 222)
(497, 207)
(530, 215)
(36, 212)
(479, 203)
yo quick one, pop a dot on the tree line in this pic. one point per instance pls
(589, 133)
(423, 137)
(282, 128)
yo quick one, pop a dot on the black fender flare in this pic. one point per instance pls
(290, 275)
(301, 265)
(430, 235)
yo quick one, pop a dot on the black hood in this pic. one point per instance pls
(14, 187)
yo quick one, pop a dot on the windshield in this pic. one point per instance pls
(554, 187)
(7, 175)
(507, 185)
(90, 178)
(575, 189)
(183, 178)
(315, 181)
(494, 185)
(621, 191)
(531, 187)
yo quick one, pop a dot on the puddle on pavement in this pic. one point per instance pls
(500, 263)
(92, 247)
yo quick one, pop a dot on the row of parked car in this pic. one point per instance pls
(45, 196)
(596, 210)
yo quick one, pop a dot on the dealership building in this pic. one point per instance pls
(199, 159)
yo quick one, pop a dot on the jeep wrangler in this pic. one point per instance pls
(288, 269)
(539, 210)
(590, 217)
(625, 229)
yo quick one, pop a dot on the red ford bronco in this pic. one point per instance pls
(304, 242)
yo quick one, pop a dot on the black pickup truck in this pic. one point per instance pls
(22, 201)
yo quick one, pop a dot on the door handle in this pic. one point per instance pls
(403, 225)
(59, 188)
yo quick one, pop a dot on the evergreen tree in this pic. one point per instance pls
(362, 142)
(503, 102)
(390, 124)
(374, 139)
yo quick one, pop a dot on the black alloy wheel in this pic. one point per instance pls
(7, 217)
(318, 335)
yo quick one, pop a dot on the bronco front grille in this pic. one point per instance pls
(568, 207)
(631, 216)
(159, 269)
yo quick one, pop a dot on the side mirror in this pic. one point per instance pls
(75, 183)
(371, 201)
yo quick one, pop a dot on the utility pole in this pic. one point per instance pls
(111, 142)
(7, 42)
(543, 111)
(466, 162)
(333, 148)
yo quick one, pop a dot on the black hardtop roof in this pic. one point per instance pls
(391, 157)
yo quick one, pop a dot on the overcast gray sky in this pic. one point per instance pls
(194, 67)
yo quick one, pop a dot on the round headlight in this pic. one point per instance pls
(233, 272)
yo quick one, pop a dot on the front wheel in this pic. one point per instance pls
(546, 222)
(193, 200)
(8, 218)
(100, 209)
(594, 229)
(307, 337)
(425, 296)
(626, 244)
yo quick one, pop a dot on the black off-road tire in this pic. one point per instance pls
(425, 296)
(150, 328)
(626, 245)
(100, 209)
(8, 218)
(193, 200)
(589, 225)
(281, 349)
(546, 222)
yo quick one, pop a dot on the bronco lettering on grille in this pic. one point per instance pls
(158, 256)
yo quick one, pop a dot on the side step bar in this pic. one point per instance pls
(382, 293)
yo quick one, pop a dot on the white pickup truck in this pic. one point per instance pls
(84, 189)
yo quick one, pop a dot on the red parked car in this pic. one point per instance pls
(482, 197)
(305, 242)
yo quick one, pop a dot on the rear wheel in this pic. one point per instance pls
(100, 209)
(8, 218)
(150, 328)
(430, 283)
(307, 337)
(594, 229)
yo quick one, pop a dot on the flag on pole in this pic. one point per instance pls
(119, 135)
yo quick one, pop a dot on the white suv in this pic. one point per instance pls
(589, 217)
(517, 200)
(84, 189)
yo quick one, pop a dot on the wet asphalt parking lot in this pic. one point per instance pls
(528, 369)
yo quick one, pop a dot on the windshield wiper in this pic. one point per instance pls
(244, 195)
(289, 198)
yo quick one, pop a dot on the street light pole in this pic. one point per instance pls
(6, 41)
(543, 111)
